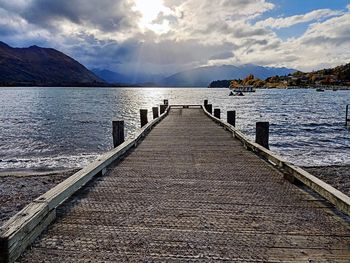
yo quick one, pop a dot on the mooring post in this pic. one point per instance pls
(262, 134)
(231, 117)
(155, 112)
(217, 113)
(144, 117)
(118, 133)
(163, 108)
(166, 102)
(209, 108)
(347, 115)
(205, 103)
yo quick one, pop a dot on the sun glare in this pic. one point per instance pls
(150, 11)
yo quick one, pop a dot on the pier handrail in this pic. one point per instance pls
(337, 198)
(24, 227)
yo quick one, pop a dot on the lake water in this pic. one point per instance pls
(55, 128)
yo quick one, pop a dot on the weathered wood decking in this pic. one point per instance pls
(190, 192)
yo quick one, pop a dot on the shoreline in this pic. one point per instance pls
(34, 172)
(19, 188)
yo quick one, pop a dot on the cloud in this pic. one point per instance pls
(324, 44)
(105, 15)
(181, 34)
(220, 56)
(298, 19)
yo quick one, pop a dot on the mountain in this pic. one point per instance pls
(204, 75)
(36, 66)
(111, 76)
(133, 78)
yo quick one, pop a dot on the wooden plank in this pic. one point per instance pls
(337, 198)
(17, 248)
(17, 233)
(15, 230)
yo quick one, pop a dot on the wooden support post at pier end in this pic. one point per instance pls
(144, 117)
(166, 102)
(205, 103)
(118, 133)
(262, 134)
(155, 112)
(217, 113)
(231, 118)
(162, 108)
(209, 108)
(347, 116)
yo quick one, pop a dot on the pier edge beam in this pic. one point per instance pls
(262, 134)
(217, 113)
(118, 133)
(155, 111)
(231, 117)
(143, 117)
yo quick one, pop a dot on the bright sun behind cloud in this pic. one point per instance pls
(150, 10)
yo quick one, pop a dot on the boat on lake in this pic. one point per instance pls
(244, 89)
(236, 93)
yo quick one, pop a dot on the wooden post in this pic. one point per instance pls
(217, 113)
(144, 117)
(166, 102)
(155, 112)
(205, 103)
(231, 117)
(118, 133)
(347, 115)
(163, 108)
(209, 108)
(262, 134)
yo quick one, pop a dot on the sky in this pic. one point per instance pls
(167, 36)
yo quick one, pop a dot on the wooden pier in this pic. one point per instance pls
(188, 187)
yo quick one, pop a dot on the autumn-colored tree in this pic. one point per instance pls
(234, 84)
(259, 83)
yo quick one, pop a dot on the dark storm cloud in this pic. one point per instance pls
(106, 15)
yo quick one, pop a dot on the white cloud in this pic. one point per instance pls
(324, 44)
(298, 19)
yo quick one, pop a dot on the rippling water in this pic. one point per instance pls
(53, 128)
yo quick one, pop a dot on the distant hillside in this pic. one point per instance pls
(111, 76)
(36, 66)
(205, 75)
(337, 75)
